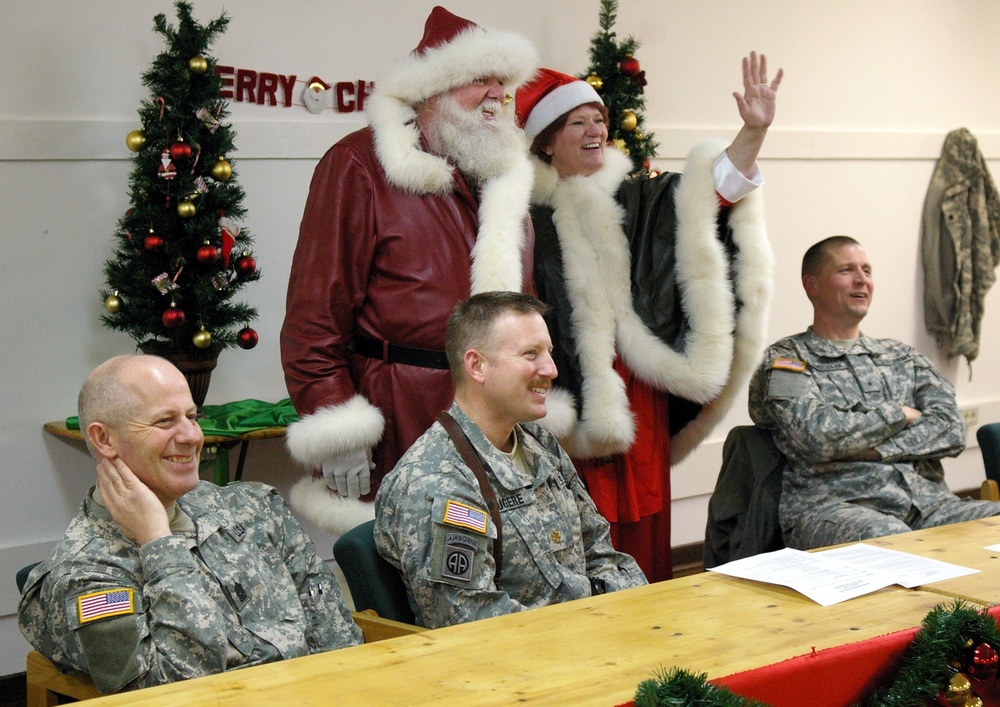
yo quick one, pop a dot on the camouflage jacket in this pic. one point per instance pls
(431, 522)
(826, 406)
(245, 588)
(960, 242)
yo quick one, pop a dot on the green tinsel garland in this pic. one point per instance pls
(680, 688)
(946, 635)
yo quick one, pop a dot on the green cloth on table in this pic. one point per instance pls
(233, 419)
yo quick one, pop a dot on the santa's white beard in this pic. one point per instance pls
(481, 150)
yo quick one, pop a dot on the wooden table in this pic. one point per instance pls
(589, 652)
(226, 442)
(960, 544)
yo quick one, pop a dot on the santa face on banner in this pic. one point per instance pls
(316, 95)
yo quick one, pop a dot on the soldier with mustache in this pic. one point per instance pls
(527, 534)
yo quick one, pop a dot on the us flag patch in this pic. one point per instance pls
(789, 364)
(100, 605)
(464, 516)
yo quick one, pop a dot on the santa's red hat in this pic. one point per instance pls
(455, 52)
(547, 97)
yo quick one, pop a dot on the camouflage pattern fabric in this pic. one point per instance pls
(244, 587)
(431, 522)
(960, 243)
(826, 407)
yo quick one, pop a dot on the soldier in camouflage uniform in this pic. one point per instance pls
(863, 422)
(161, 577)
(431, 519)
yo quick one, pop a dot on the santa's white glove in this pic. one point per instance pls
(350, 474)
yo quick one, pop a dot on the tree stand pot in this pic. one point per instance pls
(197, 366)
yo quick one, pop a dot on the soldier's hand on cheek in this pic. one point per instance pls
(132, 505)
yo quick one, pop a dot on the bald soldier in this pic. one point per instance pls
(161, 576)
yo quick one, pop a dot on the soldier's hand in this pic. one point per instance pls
(132, 505)
(912, 414)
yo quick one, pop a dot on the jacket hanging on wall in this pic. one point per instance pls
(961, 245)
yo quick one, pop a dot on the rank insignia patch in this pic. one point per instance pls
(100, 605)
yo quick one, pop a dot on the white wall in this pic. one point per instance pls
(871, 90)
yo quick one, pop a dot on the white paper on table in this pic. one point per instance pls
(906, 568)
(825, 580)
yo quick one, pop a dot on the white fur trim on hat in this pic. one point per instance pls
(474, 53)
(556, 102)
(333, 430)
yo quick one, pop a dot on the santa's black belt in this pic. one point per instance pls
(394, 353)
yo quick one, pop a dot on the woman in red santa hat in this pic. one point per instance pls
(660, 290)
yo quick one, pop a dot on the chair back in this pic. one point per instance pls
(374, 583)
(22, 576)
(743, 510)
(988, 436)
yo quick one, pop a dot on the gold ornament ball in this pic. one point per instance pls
(135, 140)
(186, 209)
(202, 339)
(198, 64)
(959, 689)
(113, 303)
(629, 121)
(595, 81)
(222, 170)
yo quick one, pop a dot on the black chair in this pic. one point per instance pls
(374, 583)
(22, 576)
(988, 436)
(743, 510)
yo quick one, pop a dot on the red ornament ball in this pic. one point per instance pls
(246, 265)
(173, 318)
(180, 150)
(984, 662)
(629, 65)
(207, 254)
(247, 338)
(153, 242)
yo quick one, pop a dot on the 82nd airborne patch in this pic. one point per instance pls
(459, 552)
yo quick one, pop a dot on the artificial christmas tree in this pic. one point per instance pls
(615, 74)
(180, 256)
